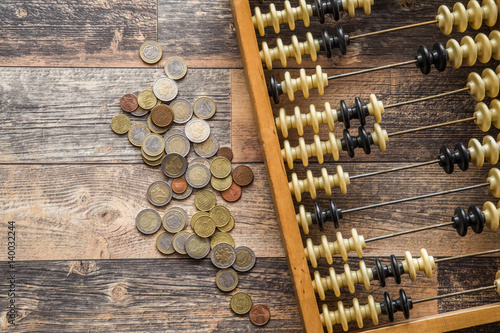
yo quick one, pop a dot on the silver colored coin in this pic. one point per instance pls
(200, 160)
(159, 193)
(208, 148)
(197, 130)
(174, 165)
(223, 255)
(175, 220)
(197, 247)
(165, 89)
(183, 110)
(198, 175)
(175, 68)
(177, 143)
(137, 133)
(148, 221)
(173, 131)
(183, 195)
(164, 243)
(245, 259)
(139, 112)
(179, 241)
(226, 279)
(204, 108)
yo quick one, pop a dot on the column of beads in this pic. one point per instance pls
(460, 17)
(326, 182)
(489, 150)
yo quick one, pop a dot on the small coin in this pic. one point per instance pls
(242, 175)
(150, 52)
(228, 227)
(174, 166)
(195, 218)
(175, 219)
(159, 193)
(177, 143)
(225, 152)
(207, 148)
(148, 221)
(197, 247)
(137, 133)
(139, 112)
(201, 160)
(128, 102)
(164, 243)
(183, 110)
(175, 68)
(220, 215)
(205, 200)
(179, 241)
(220, 167)
(120, 124)
(245, 259)
(221, 185)
(165, 89)
(259, 314)
(153, 144)
(221, 237)
(183, 195)
(226, 279)
(154, 128)
(198, 175)
(241, 303)
(223, 255)
(162, 115)
(204, 227)
(146, 99)
(179, 185)
(197, 130)
(204, 108)
(233, 193)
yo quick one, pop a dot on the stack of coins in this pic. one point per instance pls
(153, 149)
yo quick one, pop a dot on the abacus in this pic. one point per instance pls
(471, 49)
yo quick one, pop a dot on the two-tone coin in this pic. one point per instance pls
(228, 227)
(183, 110)
(226, 279)
(153, 145)
(175, 68)
(245, 259)
(146, 99)
(201, 160)
(148, 221)
(207, 148)
(164, 243)
(223, 255)
(150, 52)
(221, 184)
(120, 124)
(204, 108)
(197, 130)
(174, 165)
(221, 237)
(159, 193)
(205, 200)
(175, 220)
(197, 175)
(137, 133)
(204, 227)
(179, 241)
(173, 131)
(177, 143)
(242, 175)
(195, 218)
(139, 112)
(128, 102)
(197, 247)
(259, 314)
(154, 128)
(220, 167)
(232, 194)
(220, 215)
(165, 89)
(225, 152)
(241, 303)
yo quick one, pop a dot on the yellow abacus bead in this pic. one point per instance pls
(497, 282)
(475, 14)
(488, 150)
(486, 84)
(376, 108)
(485, 116)
(351, 5)
(288, 15)
(345, 315)
(494, 181)
(491, 215)
(304, 83)
(304, 219)
(424, 263)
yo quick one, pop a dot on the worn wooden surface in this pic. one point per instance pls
(74, 187)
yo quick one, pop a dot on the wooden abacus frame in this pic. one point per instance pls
(284, 207)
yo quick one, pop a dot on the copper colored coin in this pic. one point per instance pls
(232, 194)
(129, 103)
(259, 314)
(242, 175)
(162, 115)
(179, 185)
(225, 152)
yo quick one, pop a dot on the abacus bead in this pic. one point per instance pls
(494, 37)
(455, 53)
(484, 50)
(313, 116)
(491, 215)
(281, 53)
(491, 82)
(475, 14)
(295, 188)
(470, 50)
(490, 10)
(483, 116)
(491, 149)
(318, 285)
(288, 12)
(281, 123)
(258, 22)
(375, 108)
(497, 282)
(309, 253)
(494, 181)
(304, 219)
(445, 20)
(380, 137)
(476, 153)
(460, 17)
(495, 113)
(298, 120)
(477, 86)
(310, 184)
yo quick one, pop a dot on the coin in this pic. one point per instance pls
(148, 221)
(179, 185)
(241, 303)
(154, 128)
(150, 52)
(204, 226)
(259, 314)
(153, 144)
(207, 148)
(175, 219)
(245, 259)
(183, 195)
(232, 194)
(177, 143)
(165, 89)
(205, 200)
(195, 218)
(201, 160)
(146, 99)
(242, 175)
(183, 111)
(139, 112)
(225, 152)
(173, 131)
(152, 162)
(174, 165)
(220, 167)
(221, 184)
(198, 175)
(221, 237)
(197, 247)
(179, 241)
(226, 279)
(128, 102)
(204, 108)
(220, 215)
(197, 130)
(175, 68)
(159, 193)
(223, 255)
(120, 124)
(162, 115)
(164, 243)
(137, 133)
(228, 227)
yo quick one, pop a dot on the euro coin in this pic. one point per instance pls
(201, 160)
(226, 279)
(154, 128)
(173, 131)
(232, 194)
(174, 165)
(153, 163)
(148, 221)
(128, 102)
(183, 195)
(223, 255)
(242, 175)
(220, 215)
(204, 227)
(197, 130)
(139, 112)
(197, 247)
(175, 68)
(137, 133)
(205, 200)
(159, 193)
(146, 99)
(241, 303)
(153, 144)
(204, 108)
(179, 185)
(120, 124)
(179, 241)
(245, 259)
(175, 219)
(177, 143)
(225, 152)
(221, 237)
(221, 184)
(162, 115)
(150, 52)
(259, 314)
(165, 89)
(183, 110)
(195, 218)
(220, 167)
(207, 148)
(228, 227)
(164, 243)
(198, 175)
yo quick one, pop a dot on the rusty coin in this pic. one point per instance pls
(162, 115)
(179, 185)
(225, 152)
(259, 314)
(232, 194)
(129, 103)
(242, 175)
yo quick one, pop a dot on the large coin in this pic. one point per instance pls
(259, 314)
(175, 219)
(226, 279)
(148, 221)
(179, 241)
(195, 218)
(198, 175)
(177, 143)
(197, 247)
(146, 99)
(183, 110)
(220, 215)
(223, 255)
(197, 130)
(137, 133)
(159, 193)
(221, 237)
(242, 175)
(204, 227)
(220, 167)
(228, 227)
(225, 152)
(154, 128)
(162, 115)
(174, 165)
(245, 259)
(221, 184)
(205, 200)
(175, 68)
(204, 108)
(150, 52)
(128, 102)
(232, 194)
(164, 243)
(241, 303)
(207, 148)
(120, 124)
(165, 89)
(153, 144)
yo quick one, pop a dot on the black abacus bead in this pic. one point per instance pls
(348, 143)
(394, 270)
(463, 156)
(440, 56)
(387, 307)
(424, 59)
(343, 114)
(447, 158)
(342, 40)
(318, 217)
(326, 43)
(379, 272)
(361, 111)
(476, 218)
(274, 89)
(403, 303)
(460, 221)
(365, 140)
(334, 213)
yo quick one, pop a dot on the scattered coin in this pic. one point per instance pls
(245, 259)
(221, 185)
(177, 143)
(197, 130)
(175, 219)
(226, 279)
(259, 314)
(139, 112)
(153, 144)
(198, 175)
(201, 160)
(205, 200)
(223, 255)
(120, 124)
(175, 68)
(204, 226)
(207, 148)
(150, 52)
(183, 195)
(174, 166)
(233, 193)
(148, 221)
(173, 131)
(204, 108)
(162, 115)
(221, 237)
(195, 217)
(164, 243)
(146, 99)
(128, 102)
(242, 175)
(179, 241)
(159, 193)
(225, 152)
(197, 247)
(165, 89)
(241, 303)
(154, 128)
(228, 227)
(137, 133)
(220, 167)
(183, 110)
(220, 215)
(179, 185)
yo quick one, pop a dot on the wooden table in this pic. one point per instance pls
(73, 187)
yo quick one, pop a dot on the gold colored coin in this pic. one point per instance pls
(175, 68)
(205, 200)
(221, 184)
(204, 227)
(228, 227)
(241, 303)
(195, 218)
(150, 52)
(120, 124)
(220, 167)
(220, 215)
(221, 237)
(146, 99)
